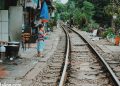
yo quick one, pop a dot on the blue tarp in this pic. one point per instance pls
(44, 12)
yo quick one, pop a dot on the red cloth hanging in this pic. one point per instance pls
(44, 20)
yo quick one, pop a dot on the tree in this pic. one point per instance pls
(87, 10)
(65, 16)
(60, 7)
(113, 10)
(80, 11)
(100, 16)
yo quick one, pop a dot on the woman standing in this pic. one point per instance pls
(40, 40)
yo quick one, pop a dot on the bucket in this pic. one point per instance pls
(12, 49)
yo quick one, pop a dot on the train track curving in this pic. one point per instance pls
(86, 67)
(76, 63)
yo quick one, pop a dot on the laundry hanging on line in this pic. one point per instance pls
(33, 3)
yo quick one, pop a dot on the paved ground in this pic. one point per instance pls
(104, 44)
(108, 51)
(30, 66)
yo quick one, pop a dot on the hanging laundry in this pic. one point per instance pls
(39, 4)
(35, 2)
(31, 3)
(44, 12)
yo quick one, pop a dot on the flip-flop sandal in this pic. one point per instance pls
(36, 55)
(42, 56)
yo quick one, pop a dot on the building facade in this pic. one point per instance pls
(16, 15)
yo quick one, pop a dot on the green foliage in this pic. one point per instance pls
(111, 9)
(51, 24)
(65, 16)
(85, 29)
(118, 20)
(94, 25)
(88, 9)
(109, 32)
(62, 11)
(91, 26)
(82, 16)
(60, 7)
(77, 16)
(82, 13)
(87, 13)
(71, 6)
(100, 16)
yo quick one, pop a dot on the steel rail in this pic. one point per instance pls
(62, 79)
(105, 64)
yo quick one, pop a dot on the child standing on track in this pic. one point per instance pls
(40, 40)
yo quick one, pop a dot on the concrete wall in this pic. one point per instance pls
(15, 22)
(3, 25)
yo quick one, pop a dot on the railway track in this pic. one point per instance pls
(113, 62)
(112, 59)
(87, 67)
(76, 63)
(52, 72)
